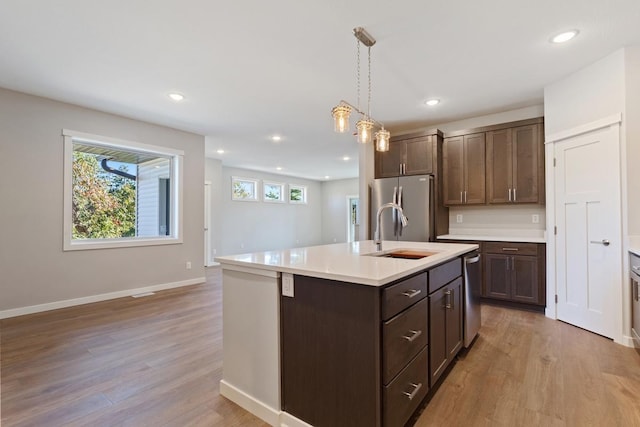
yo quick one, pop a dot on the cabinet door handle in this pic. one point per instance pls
(413, 335)
(510, 249)
(509, 194)
(514, 195)
(602, 242)
(411, 293)
(461, 201)
(465, 196)
(447, 299)
(412, 394)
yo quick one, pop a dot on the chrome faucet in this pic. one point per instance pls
(403, 219)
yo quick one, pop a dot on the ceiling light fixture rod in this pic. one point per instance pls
(362, 35)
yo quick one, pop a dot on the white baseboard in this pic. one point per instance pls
(287, 420)
(4, 314)
(250, 403)
(261, 410)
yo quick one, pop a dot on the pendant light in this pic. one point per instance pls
(366, 125)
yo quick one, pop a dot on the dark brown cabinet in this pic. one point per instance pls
(515, 165)
(355, 355)
(406, 156)
(445, 317)
(445, 327)
(514, 272)
(463, 160)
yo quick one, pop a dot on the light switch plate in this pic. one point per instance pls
(459, 218)
(535, 219)
(287, 285)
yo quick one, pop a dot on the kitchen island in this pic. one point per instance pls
(337, 334)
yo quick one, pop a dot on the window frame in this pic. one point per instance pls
(303, 189)
(177, 188)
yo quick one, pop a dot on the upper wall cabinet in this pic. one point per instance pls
(408, 155)
(463, 164)
(515, 165)
(495, 164)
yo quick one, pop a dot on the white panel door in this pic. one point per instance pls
(589, 261)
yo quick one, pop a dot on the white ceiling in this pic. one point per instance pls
(250, 69)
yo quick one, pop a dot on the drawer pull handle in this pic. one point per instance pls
(412, 394)
(510, 249)
(414, 335)
(411, 293)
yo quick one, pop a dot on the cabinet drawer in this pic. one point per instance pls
(509, 248)
(443, 274)
(402, 338)
(397, 297)
(404, 394)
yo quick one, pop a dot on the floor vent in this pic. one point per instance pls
(145, 294)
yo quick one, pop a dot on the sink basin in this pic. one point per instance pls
(403, 254)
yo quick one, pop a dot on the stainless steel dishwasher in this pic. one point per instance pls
(472, 291)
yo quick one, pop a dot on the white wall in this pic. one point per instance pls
(495, 219)
(587, 95)
(213, 174)
(259, 226)
(335, 209)
(33, 267)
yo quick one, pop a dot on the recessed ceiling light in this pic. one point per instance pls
(279, 168)
(345, 158)
(565, 36)
(220, 151)
(327, 177)
(276, 138)
(176, 96)
(432, 102)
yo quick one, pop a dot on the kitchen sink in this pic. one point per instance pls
(403, 254)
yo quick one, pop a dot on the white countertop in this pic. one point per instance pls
(494, 238)
(347, 261)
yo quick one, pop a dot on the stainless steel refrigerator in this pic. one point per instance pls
(415, 195)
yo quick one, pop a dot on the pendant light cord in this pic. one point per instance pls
(369, 95)
(358, 73)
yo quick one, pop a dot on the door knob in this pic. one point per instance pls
(605, 242)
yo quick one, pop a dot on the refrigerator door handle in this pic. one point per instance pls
(397, 217)
(393, 212)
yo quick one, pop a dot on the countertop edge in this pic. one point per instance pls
(485, 238)
(357, 279)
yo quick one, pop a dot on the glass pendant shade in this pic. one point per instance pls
(365, 129)
(341, 118)
(382, 140)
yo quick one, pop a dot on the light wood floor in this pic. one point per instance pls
(158, 360)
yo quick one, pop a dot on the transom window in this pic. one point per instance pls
(120, 193)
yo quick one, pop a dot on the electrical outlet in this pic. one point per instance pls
(535, 218)
(287, 285)
(188, 265)
(459, 218)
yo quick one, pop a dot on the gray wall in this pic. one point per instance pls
(334, 209)
(259, 226)
(632, 127)
(34, 269)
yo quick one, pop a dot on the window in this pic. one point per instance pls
(244, 189)
(120, 193)
(297, 194)
(273, 192)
